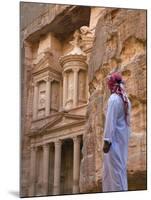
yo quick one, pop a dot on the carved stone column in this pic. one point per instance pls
(64, 88)
(45, 168)
(32, 171)
(57, 167)
(75, 97)
(35, 101)
(48, 93)
(76, 164)
(60, 97)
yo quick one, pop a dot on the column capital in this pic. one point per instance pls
(33, 148)
(35, 84)
(64, 73)
(45, 146)
(76, 69)
(58, 142)
(49, 79)
(76, 139)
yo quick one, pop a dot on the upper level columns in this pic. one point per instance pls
(72, 65)
(75, 96)
(64, 88)
(47, 96)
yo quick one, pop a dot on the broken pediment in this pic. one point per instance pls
(64, 120)
(41, 64)
(45, 61)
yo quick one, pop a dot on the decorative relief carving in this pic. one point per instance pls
(40, 77)
(42, 100)
(46, 76)
(55, 96)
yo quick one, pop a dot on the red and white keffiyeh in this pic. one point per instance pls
(116, 85)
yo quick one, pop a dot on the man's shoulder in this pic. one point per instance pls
(114, 97)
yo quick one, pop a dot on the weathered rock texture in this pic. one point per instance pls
(120, 44)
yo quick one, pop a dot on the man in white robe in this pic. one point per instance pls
(116, 137)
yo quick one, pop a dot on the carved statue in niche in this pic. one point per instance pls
(55, 96)
(82, 86)
(41, 99)
(77, 37)
(76, 44)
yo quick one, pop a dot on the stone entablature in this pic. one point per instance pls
(70, 61)
(45, 75)
(38, 141)
(59, 122)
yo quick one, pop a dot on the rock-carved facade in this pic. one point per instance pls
(64, 96)
(59, 99)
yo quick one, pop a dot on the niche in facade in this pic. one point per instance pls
(55, 98)
(69, 102)
(41, 98)
(82, 86)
